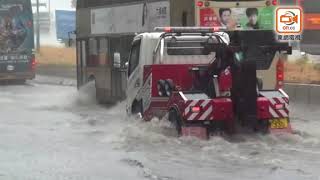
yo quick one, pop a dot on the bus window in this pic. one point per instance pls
(84, 54)
(103, 51)
(134, 56)
(103, 45)
(93, 52)
(184, 18)
(93, 49)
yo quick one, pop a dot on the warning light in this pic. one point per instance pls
(199, 3)
(280, 74)
(167, 29)
(274, 2)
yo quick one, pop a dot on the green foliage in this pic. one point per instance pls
(302, 61)
(316, 67)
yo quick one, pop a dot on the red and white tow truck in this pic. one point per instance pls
(200, 78)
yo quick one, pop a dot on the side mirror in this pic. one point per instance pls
(70, 40)
(116, 60)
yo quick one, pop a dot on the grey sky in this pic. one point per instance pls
(60, 4)
(57, 4)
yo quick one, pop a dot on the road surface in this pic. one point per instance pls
(53, 132)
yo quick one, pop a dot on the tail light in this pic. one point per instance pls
(279, 106)
(33, 63)
(280, 74)
(274, 2)
(195, 109)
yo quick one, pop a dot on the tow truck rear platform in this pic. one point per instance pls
(204, 99)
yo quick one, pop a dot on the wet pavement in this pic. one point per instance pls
(50, 131)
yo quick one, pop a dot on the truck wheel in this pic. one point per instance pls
(175, 120)
(137, 107)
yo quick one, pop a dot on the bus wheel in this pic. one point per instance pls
(176, 121)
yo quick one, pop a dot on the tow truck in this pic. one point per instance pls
(201, 80)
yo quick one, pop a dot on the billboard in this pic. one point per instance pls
(130, 18)
(16, 27)
(65, 23)
(238, 18)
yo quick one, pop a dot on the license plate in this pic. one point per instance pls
(281, 123)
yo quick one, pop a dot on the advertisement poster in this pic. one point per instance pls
(156, 14)
(238, 18)
(130, 18)
(16, 29)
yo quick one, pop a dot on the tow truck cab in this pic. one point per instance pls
(198, 78)
(141, 54)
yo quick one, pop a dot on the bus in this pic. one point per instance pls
(105, 30)
(17, 59)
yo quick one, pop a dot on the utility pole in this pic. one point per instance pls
(38, 27)
(49, 5)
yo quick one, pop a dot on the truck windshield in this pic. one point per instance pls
(189, 50)
(189, 45)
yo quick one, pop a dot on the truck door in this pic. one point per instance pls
(134, 79)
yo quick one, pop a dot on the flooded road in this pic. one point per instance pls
(53, 132)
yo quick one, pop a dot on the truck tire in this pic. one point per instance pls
(137, 107)
(176, 121)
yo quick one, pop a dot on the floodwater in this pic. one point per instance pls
(54, 132)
